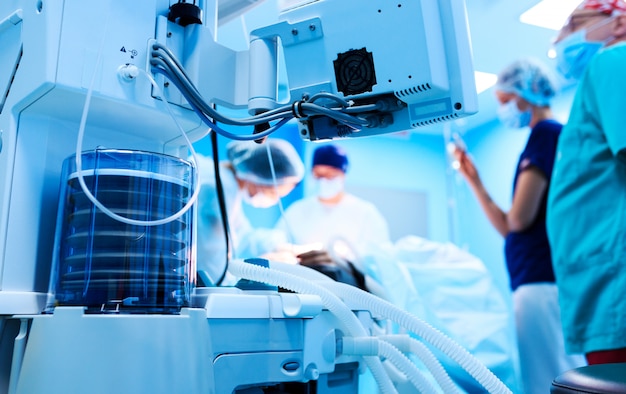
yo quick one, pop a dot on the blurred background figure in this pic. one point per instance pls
(524, 90)
(333, 213)
(587, 199)
(332, 223)
(246, 177)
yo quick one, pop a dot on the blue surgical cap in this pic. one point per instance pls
(331, 155)
(251, 161)
(529, 79)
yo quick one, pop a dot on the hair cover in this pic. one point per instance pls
(331, 155)
(251, 161)
(529, 79)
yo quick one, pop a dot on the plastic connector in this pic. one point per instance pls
(311, 372)
(361, 346)
(128, 72)
(129, 301)
(401, 341)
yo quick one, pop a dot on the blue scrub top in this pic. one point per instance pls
(527, 252)
(587, 208)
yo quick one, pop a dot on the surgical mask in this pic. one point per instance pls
(511, 116)
(574, 52)
(329, 188)
(259, 200)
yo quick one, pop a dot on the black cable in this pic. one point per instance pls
(259, 128)
(165, 61)
(219, 189)
(202, 113)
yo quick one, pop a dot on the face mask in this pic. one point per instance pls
(329, 188)
(574, 53)
(511, 116)
(259, 200)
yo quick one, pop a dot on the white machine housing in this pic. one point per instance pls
(414, 55)
(57, 54)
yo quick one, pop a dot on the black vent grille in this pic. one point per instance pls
(413, 90)
(433, 121)
(354, 72)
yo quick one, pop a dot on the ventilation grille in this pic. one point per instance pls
(354, 72)
(433, 121)
(404, 93)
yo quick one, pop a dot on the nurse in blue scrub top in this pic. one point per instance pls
(524, 91)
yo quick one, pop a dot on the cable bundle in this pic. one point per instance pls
(335, 107)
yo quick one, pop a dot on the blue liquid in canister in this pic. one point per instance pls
(109, 266)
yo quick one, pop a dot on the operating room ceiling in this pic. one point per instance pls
(498, 37)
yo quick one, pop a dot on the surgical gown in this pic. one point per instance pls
(586, 219)
(352, 220)
(245, 241)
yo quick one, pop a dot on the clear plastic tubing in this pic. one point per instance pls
(406, 344)
(372, 346)
(298, 284)
(403, 342)
(430, 334)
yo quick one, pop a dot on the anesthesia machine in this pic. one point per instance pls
(100, 102)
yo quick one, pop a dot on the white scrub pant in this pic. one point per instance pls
(540, 337)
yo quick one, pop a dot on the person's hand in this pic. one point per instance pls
(281, 256)
(290, 253)
(315, 258)
(466, 166)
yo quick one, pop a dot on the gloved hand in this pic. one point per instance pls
(467, 167)
(322, 261)
(316, 258)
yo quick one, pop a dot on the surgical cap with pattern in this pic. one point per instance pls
(608, 7)
(252, 163)
(529, 79)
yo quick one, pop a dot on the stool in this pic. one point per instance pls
(592, 379)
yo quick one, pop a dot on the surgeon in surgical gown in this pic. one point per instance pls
(333, 215)
(246, 177)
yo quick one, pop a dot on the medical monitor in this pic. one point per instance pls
(409, 60)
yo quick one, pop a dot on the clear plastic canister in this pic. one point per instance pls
(109, 266)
